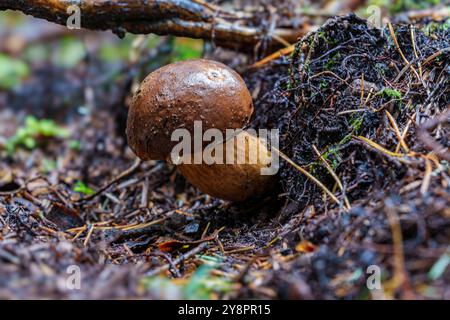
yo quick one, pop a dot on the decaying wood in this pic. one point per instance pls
(186, 18)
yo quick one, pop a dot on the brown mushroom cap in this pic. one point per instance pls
(180, 93)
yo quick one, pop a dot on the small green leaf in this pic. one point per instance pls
(83, 188)
(203, 284)
(391, 93)
(29, 142)
(12, 72)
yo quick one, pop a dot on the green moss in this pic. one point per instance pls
(322, 35)
(391, 93)
(323, 85)
(332, 154)
(356, 124)
(332, 61)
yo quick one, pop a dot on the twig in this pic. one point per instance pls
(397, 131)
(144, 225)
(238, 250)
(184, 18)
(435, 55)
(88, 237)
(413, 40)
(273, 56)
(403, 135)
(240, 277)
(121, 176)
(426, 178)
(170, 262)
(206, 230)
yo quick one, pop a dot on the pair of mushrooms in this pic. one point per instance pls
(174, 97)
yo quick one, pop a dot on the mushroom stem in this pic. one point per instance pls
(240, 176)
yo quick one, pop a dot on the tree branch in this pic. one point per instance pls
(186, 18)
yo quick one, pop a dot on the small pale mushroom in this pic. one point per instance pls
(174, 97)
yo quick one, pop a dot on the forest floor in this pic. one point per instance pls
(364, 110)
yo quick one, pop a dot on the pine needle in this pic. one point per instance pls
(282, 52)
(427, 178)
(394, 37)
(397, 131)
(378, 147)
(308, 175)
(334, 175)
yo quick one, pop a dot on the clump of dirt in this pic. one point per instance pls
(344, 79)
(353, 93)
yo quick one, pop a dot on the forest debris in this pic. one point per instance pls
(333, 174)
(64, 217)
(121, 176)
(440, 266)
(173, 245)
(305, 247)
(394, 37)
(426, 178)
(310, 98)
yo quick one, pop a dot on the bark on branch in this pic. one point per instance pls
(186, 18)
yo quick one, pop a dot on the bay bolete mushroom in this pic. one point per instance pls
(178, 96)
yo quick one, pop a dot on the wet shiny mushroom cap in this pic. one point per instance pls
(176, 95)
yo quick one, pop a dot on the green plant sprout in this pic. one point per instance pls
(201, 285)
(32, 130)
